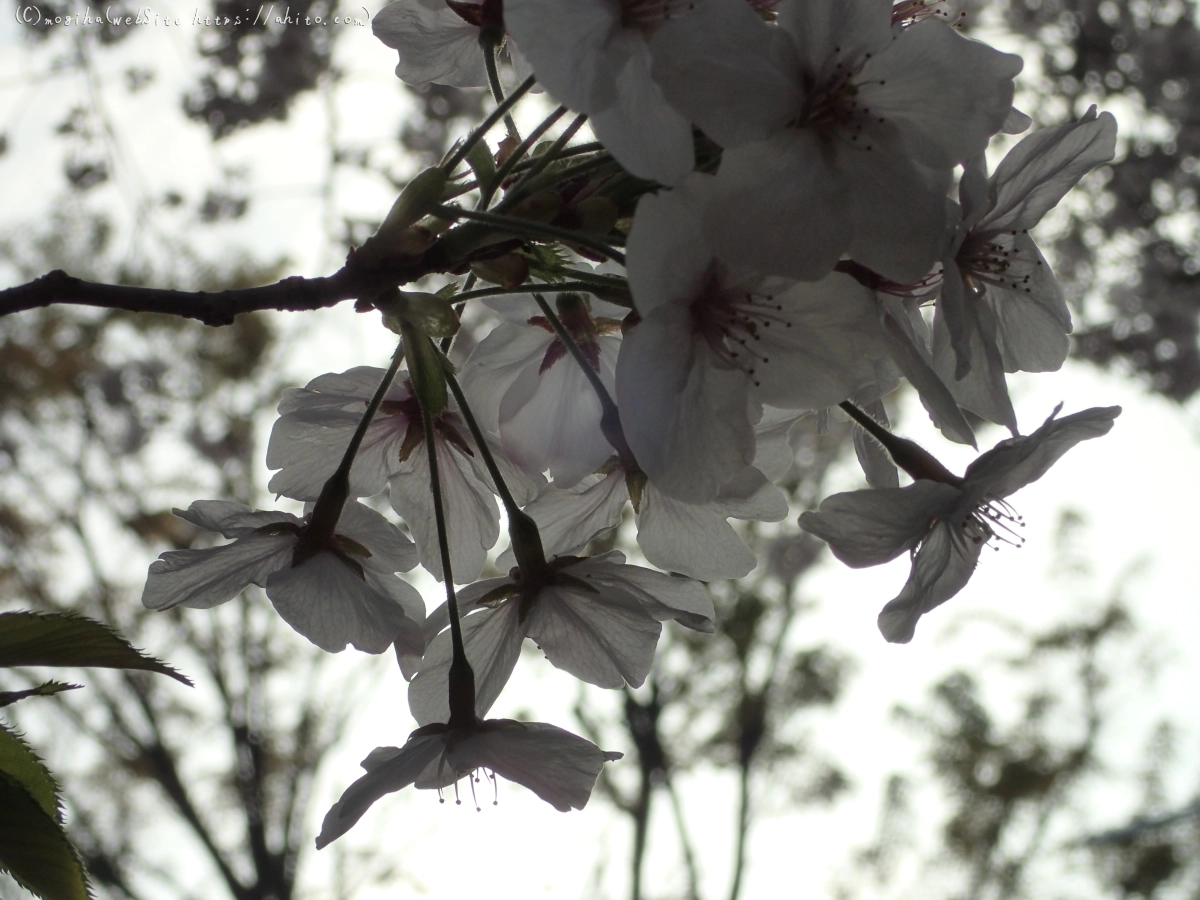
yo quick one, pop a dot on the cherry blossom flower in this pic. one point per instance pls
(593, 56)
(558, 766)
(1001, 308)
(525, 386)
(715, 340)
(692, 539)
(945, 521)
(346, 592)
(596, 618)
(438, 41)
(840, 134)
(315, 426)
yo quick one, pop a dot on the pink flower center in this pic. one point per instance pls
(994, 520)
(832, 104)
(648, 15)
(733, 320)
(997, 260)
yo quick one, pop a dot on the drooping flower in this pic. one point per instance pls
(524, 385)
(717, 339)
(345, 592)
(943, 520)
(314, 428)
(596, 618)
(592, 56)
(558, 766)
(840, 135)
(1001, 308)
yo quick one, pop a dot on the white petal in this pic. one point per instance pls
(605, 639)
(492, 640)
(472, 519)
(558, 766)
(816, 344)
(391, 551)
(866, 528)
(780, 207)
(983, 389)
(918, 85)
(683, 409)
(1038, 172)
(1016, 462)
(569, 519)
(752, 496)
(941, 568)
(728, 71)
(566, 41)
(694, 540)
(201, 579)
(664, 597)
(876, 463)
(496, 362)
(308, 446)
(912, 355)
(550, 419)
(435, 44)
(642, 131)
(899, 211)
(231, 520)
(332, 605)
(667, 255)
(829, 31)
(773, 455)
(391, 772)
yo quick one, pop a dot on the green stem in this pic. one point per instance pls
(462, 679)
(510, 164)
(489, 63)
(910, 456)
(535, 230)
(522, 530)
(328, 509)
(460, 153)
(545, 159)
(555, 288)
(578, 150)
(610, 416)
(506, 497)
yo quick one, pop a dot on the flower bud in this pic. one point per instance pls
(417, 200)
(509, 271)
(428, 313)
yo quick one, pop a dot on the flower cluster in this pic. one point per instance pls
(771, 201)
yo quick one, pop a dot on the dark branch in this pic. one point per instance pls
(216, 308)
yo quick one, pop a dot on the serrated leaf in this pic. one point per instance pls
(7, 698)
(34, 848)
(62, 639)
(20, 763)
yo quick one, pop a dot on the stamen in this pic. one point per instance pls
(995, 519)
(647, 15)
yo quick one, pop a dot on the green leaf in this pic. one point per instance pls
(34, 848)
(7, 698)
(62, 639)
(21, 764)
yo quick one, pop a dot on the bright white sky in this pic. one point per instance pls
(1136, 489)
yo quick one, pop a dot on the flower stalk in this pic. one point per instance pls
(328, 509)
